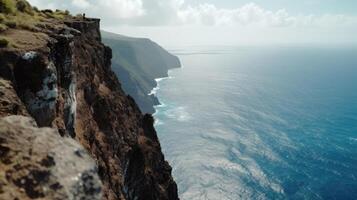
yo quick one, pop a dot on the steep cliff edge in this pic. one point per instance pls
(61, 74)
(138, 62)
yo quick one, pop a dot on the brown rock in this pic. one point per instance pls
(66, 82)
(36, 163)
(10, 104)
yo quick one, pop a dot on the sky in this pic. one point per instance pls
(223, 22)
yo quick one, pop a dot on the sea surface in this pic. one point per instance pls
(261, 122)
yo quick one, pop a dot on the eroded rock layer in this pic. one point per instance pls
(62, 78)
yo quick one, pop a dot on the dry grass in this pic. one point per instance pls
(58, 14)
(2, 17)
(3, 28)
(16, 12)
(15, 6)
(20, 15)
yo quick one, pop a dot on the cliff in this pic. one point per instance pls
(138, 62)
(55, 69)
(36, 163)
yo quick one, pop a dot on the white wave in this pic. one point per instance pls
(158, 80)
(161, 105)
(158, 122)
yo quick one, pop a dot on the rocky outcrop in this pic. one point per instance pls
(62, 78)
(10, 104)
(38, 163)
(138, 62)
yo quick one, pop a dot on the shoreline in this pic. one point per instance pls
(157, 88)
(158, 80)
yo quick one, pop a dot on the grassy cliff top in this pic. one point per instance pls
(18, 18)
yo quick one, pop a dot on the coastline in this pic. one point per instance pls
(157, 88)
(158, 80)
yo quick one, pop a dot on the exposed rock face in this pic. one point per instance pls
(38, 163)
(64, 80)
(10, 104)
(138, 62)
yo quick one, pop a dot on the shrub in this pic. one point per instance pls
(47, 11)
(21, 6)
(3, 42)
(58, 15)
(7, 6)
(24, 7)
(2, 17)
(3, 28)
(11, 24)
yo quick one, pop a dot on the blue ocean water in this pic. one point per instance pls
(261, 122)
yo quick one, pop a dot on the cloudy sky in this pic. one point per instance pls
(223, 22)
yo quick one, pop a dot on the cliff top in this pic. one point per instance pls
(25, 27)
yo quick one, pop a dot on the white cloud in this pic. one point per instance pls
(106, 9)
(178, 21)
(81, 3)
(120, 9)
(249, 14)
(252, 14)
(179, 12)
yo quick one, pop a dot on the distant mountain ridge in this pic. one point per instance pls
(137, 62)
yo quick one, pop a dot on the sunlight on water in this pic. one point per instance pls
(261, 123)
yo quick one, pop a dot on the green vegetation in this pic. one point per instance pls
(14, 6)
(59, 14)
(21, 6)
(3, 42)
(10, 24)
(14, 13)
(7, 6)
(20, 14)
(2, 17)
(3, 28)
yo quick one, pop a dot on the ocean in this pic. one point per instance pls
(261, 122)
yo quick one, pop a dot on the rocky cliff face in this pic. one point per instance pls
(59, 73)
(37, 163)
(138, 62)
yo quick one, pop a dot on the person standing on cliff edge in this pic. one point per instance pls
(84, 16)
